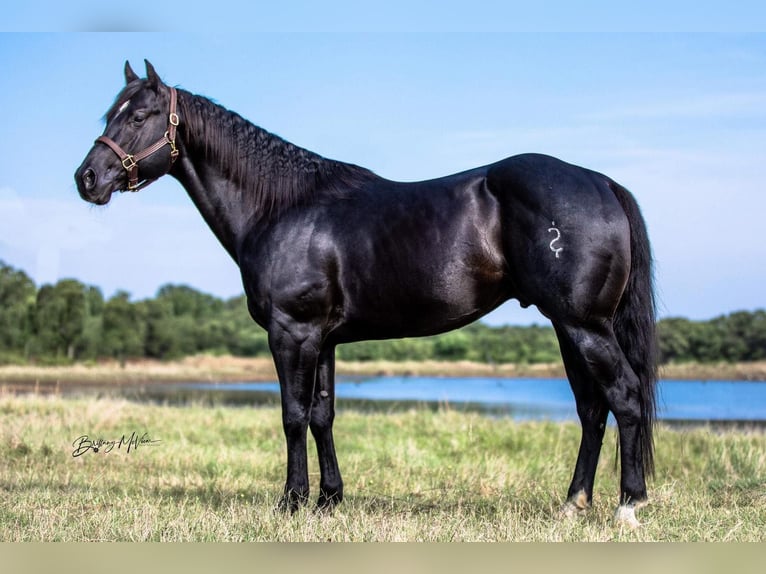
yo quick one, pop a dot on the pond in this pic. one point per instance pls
(521, 399)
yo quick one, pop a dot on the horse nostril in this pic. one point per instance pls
(89, 178)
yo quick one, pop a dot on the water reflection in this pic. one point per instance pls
(521, 399)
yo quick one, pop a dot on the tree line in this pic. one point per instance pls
(70, 321)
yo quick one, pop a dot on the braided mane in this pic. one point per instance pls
(274, 173)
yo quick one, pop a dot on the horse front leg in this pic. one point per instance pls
(295, 357)
(322, 417)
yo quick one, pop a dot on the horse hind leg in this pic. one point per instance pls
(595, 351)
(592, 410)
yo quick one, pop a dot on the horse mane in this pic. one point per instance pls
(273, 173)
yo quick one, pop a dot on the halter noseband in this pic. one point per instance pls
(130, 162)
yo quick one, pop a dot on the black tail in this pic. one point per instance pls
(634, 322)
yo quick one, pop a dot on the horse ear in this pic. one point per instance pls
(130, 75)
(151, 75)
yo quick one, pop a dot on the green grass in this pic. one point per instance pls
(217, 474)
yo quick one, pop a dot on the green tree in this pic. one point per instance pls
(17, 300)
(123, 327)
(674, 336)
(743, 335)
(59, 318)
(161, 340)
(183, 321)
(185, 300)
(452, 346)
(90, 343)
(739, 336)
(755, 335)
(244, 336)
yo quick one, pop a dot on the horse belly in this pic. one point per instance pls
(429, 288)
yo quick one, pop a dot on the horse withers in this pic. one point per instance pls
(331, 253)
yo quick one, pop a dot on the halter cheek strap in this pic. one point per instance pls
(130, 161)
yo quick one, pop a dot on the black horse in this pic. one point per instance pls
(331, 253)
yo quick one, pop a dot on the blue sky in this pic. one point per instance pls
(679, 118)
(258, 16)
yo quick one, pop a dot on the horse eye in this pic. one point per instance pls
(139, 118)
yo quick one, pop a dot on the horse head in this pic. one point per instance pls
(143, 117)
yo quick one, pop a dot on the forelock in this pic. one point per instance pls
(122, 99)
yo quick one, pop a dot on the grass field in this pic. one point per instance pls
(217, 472)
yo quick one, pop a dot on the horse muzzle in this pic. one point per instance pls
(93, 187)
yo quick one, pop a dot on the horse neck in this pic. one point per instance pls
(240, 176)
(214, 198)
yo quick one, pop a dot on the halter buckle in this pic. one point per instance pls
(173, 119)
(173, 148)
(128, 162)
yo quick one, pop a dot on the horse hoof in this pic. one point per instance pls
(327, 503)
(291, 503)
(575, 507)
(285, 506)
(626, 516)
(569, 510)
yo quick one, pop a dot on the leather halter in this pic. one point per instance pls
(130, 161)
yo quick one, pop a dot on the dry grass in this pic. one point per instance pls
(752, 371)
(196, 368)
(449, 368)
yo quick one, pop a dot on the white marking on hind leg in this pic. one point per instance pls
(626, 515)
